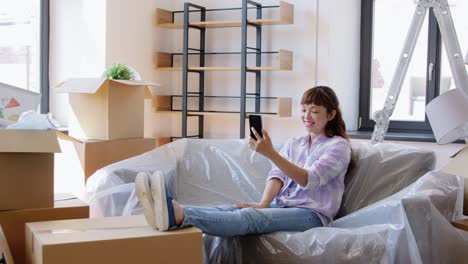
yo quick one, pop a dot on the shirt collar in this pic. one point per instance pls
(320, 139)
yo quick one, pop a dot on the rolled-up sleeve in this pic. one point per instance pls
(332, 163)
(277, 173)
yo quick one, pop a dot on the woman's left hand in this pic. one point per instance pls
(262, 145)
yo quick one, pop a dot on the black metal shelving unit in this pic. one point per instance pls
(201, 52)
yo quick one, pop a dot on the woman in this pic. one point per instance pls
(306, 182)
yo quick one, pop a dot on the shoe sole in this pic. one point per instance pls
(143, 192)
(158, 186)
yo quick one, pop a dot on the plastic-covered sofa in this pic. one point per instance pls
(395, 209)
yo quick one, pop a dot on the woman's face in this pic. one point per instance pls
(315, 118)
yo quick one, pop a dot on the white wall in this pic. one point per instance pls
(130, 37)
(77, 45)
(339, 53)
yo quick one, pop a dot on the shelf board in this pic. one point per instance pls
(225, 24)
(165, 19)
(196, 113)
(171, 25)
(163, 105)
(269, 22)
(217, 24)
(270, 68)
(163, 62)
(169, 68)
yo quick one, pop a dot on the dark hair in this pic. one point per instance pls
(326, 97)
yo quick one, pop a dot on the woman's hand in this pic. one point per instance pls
(262, 145)
(251, 205)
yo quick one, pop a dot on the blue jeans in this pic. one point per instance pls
(228, 220)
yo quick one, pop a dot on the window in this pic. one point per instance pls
(384, 26)
(24, 46)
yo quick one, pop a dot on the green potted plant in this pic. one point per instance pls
(119, 71)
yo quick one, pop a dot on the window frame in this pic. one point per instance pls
(433, 55)
(44, 55)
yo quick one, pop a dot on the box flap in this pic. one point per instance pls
(134, 82)
(66, 137)
(148, 90)
(92, 85)
(81, 85)
(29, 141)
(63, 197)
(458, 165)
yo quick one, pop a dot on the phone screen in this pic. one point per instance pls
(255, 121)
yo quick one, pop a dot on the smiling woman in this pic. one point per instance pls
(320, 110)
(303, 190)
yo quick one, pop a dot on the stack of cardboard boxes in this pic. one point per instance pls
(107, 117)
(106, 125)
(27, 187)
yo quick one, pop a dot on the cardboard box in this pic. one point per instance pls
(5, 254)
(116, 240)
(27, 168)
(13, 222)
(81, 159)
(458, 165)
(461, 224)
(106, 109)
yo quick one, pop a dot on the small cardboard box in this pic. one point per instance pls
(458, 165)
(106, 109)
(27, 168)
(81, 159)
(116, 240)
(5, 254)
(13, 222)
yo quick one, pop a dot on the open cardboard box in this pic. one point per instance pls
(27, 168)
(82, 158)
(106, 109)
(34, 164)
(117, 240)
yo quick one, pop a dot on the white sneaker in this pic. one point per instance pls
(163, 208)
(143, 191)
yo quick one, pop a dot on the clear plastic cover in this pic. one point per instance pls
(411, 225)
(382, 170)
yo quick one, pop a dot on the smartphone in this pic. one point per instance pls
(255, 121)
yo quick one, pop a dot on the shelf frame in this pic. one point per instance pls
(166, 18)
(165, 61)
